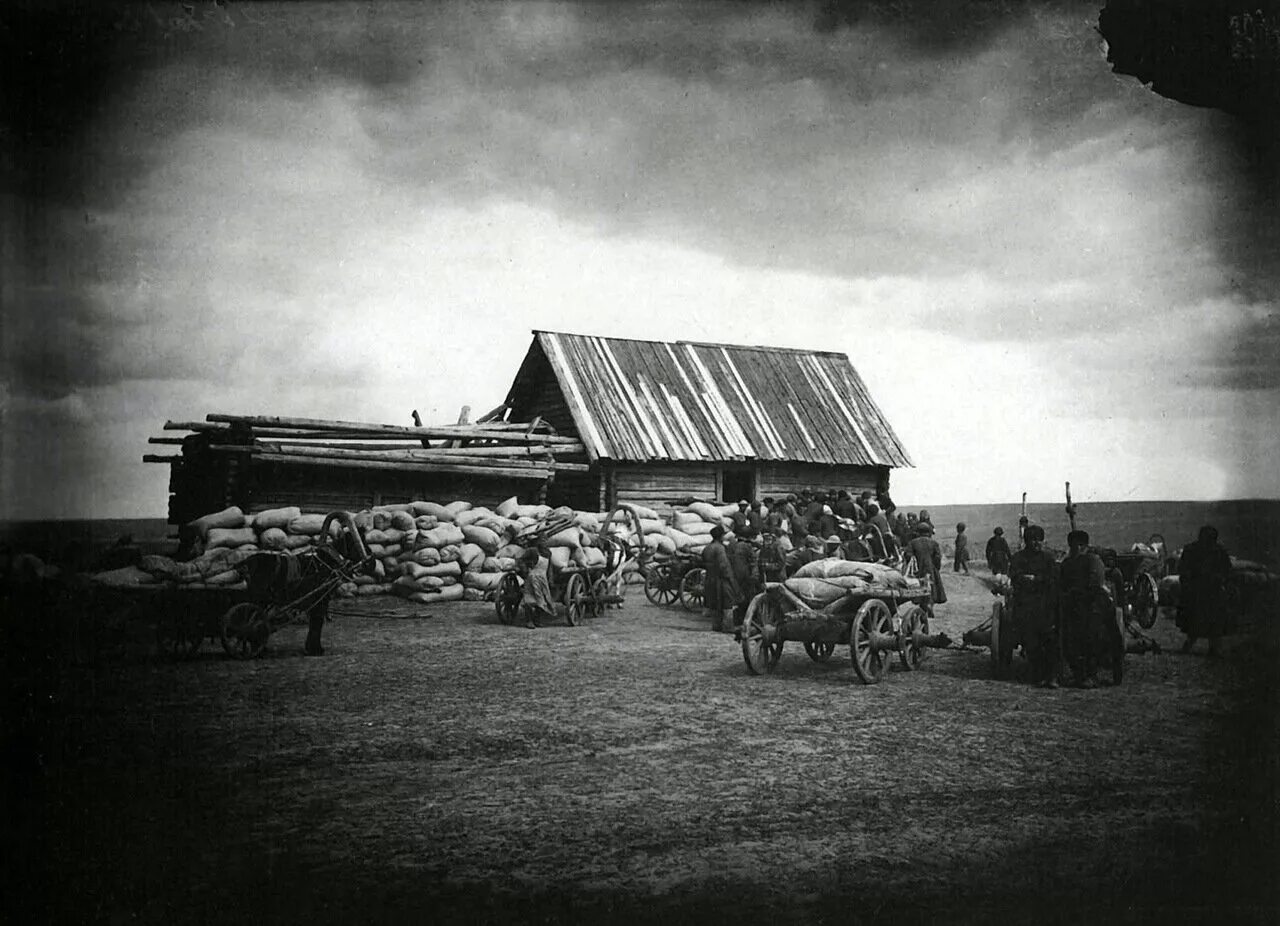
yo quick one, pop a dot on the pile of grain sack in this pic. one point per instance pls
(823, 581)
(430, 552)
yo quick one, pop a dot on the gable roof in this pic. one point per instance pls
(653, 400)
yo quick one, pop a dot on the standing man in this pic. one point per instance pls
(1085, 603)
(928, 556)
(743, 560)
(1035, 603)
(740, 518)
(755, 519)
(998, 553)
(774, 519)
(720, 592)
(1203, 571)
(962, 550)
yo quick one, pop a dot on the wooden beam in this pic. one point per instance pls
(408, 456)
(195, 426)
(161, 458)
(166, 440)
(391, 430)
(422, 467)
(515, 451)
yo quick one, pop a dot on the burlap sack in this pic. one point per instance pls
(277, 518)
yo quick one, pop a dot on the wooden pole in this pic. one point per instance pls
(1022, 521)
(505, 433)
(422, 466)
(406, 456)
(1071, 509)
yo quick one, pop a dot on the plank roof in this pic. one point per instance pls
(688, 401)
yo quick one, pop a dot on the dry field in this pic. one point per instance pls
(450, 769)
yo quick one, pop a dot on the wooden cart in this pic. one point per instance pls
(875, 622)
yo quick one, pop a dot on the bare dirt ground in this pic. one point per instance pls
(445, 768)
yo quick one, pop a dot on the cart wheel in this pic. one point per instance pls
(659, 586)
(576, 600)
(915, 619)
(691, 589)
(179, 636)
(761, 657)
(507, 600)
(244, 630)
(871, 621)
(1145, 600)
(1001, 642)
(820, 651)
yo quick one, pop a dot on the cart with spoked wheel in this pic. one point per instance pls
(284, 588)
(876, 622)
(679, 577)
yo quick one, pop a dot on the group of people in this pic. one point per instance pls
(817, 524)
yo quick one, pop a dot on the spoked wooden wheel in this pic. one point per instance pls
(760, 655)
(915, 620)
(659, 585)
(1001, 642)
(244, 630)
(179, 635)
(819, 651)
(1145, 600)
(507, 601)
(575, 599)
(869, 640)
(691, 589)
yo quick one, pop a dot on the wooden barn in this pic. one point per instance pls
(661, 422)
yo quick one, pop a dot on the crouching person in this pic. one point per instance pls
(535, 600)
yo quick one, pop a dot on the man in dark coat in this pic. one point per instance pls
(998, 553)
(740, 518)
(1085, 604)
(1034, 574)
(1203, 571)
(720, 591)
(928, 556)
(755, 519)
(743, 558)
(845, 506)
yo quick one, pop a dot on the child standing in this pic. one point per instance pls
(962, 550)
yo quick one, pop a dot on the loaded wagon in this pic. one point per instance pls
(883, 616)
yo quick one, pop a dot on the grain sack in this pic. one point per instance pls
(361, 579)
(456, 508)
(498, 564)
(384, 537)
(366, 591)
(392, 507)
(306, 525)
(825, 591)
(471, 516)
(363, 521)
(230, 577)
(653, 525)
(699, 529)
(402, 521)
(442, 536)
(390, 565)
(832, 567)
(345, 590)
(485, 581)
(273, 538)
(449, 593)
(160, 567)
(474, 594)
(508, 508)
(708, 513)
(570, 537)
(785, 544)
(381, 520)
(414, 571)
(532, 511)
(588, 556)
(470, 554)
(450, 553)
(482, 537)
(426, 522)
(379, 570)
(683, 540)
(503, 527)
(588, 521)
(431, 509)
(278, 518)
(427, 556)
(511, 550)
(229, 537)
(559, 556)
(683, 519)
(226, 519)
(296, 543)
(428, 583)
(665, 544)
(640, 511)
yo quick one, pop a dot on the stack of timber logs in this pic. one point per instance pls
(249, 460)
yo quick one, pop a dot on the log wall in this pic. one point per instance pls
(657, 485)
(779, 479)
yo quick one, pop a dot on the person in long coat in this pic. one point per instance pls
(1203, 571)
(1034, 576)
(1084, 602)
(998, 553)
(743, 559)
(720, 591)
(928, 556)
(535, 597)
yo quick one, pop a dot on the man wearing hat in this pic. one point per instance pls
(719, 590)
(998, 553)
(1034, 575)
(1085, 604)
(928, 556)
(740, 518)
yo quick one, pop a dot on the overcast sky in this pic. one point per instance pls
(1042, 270)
